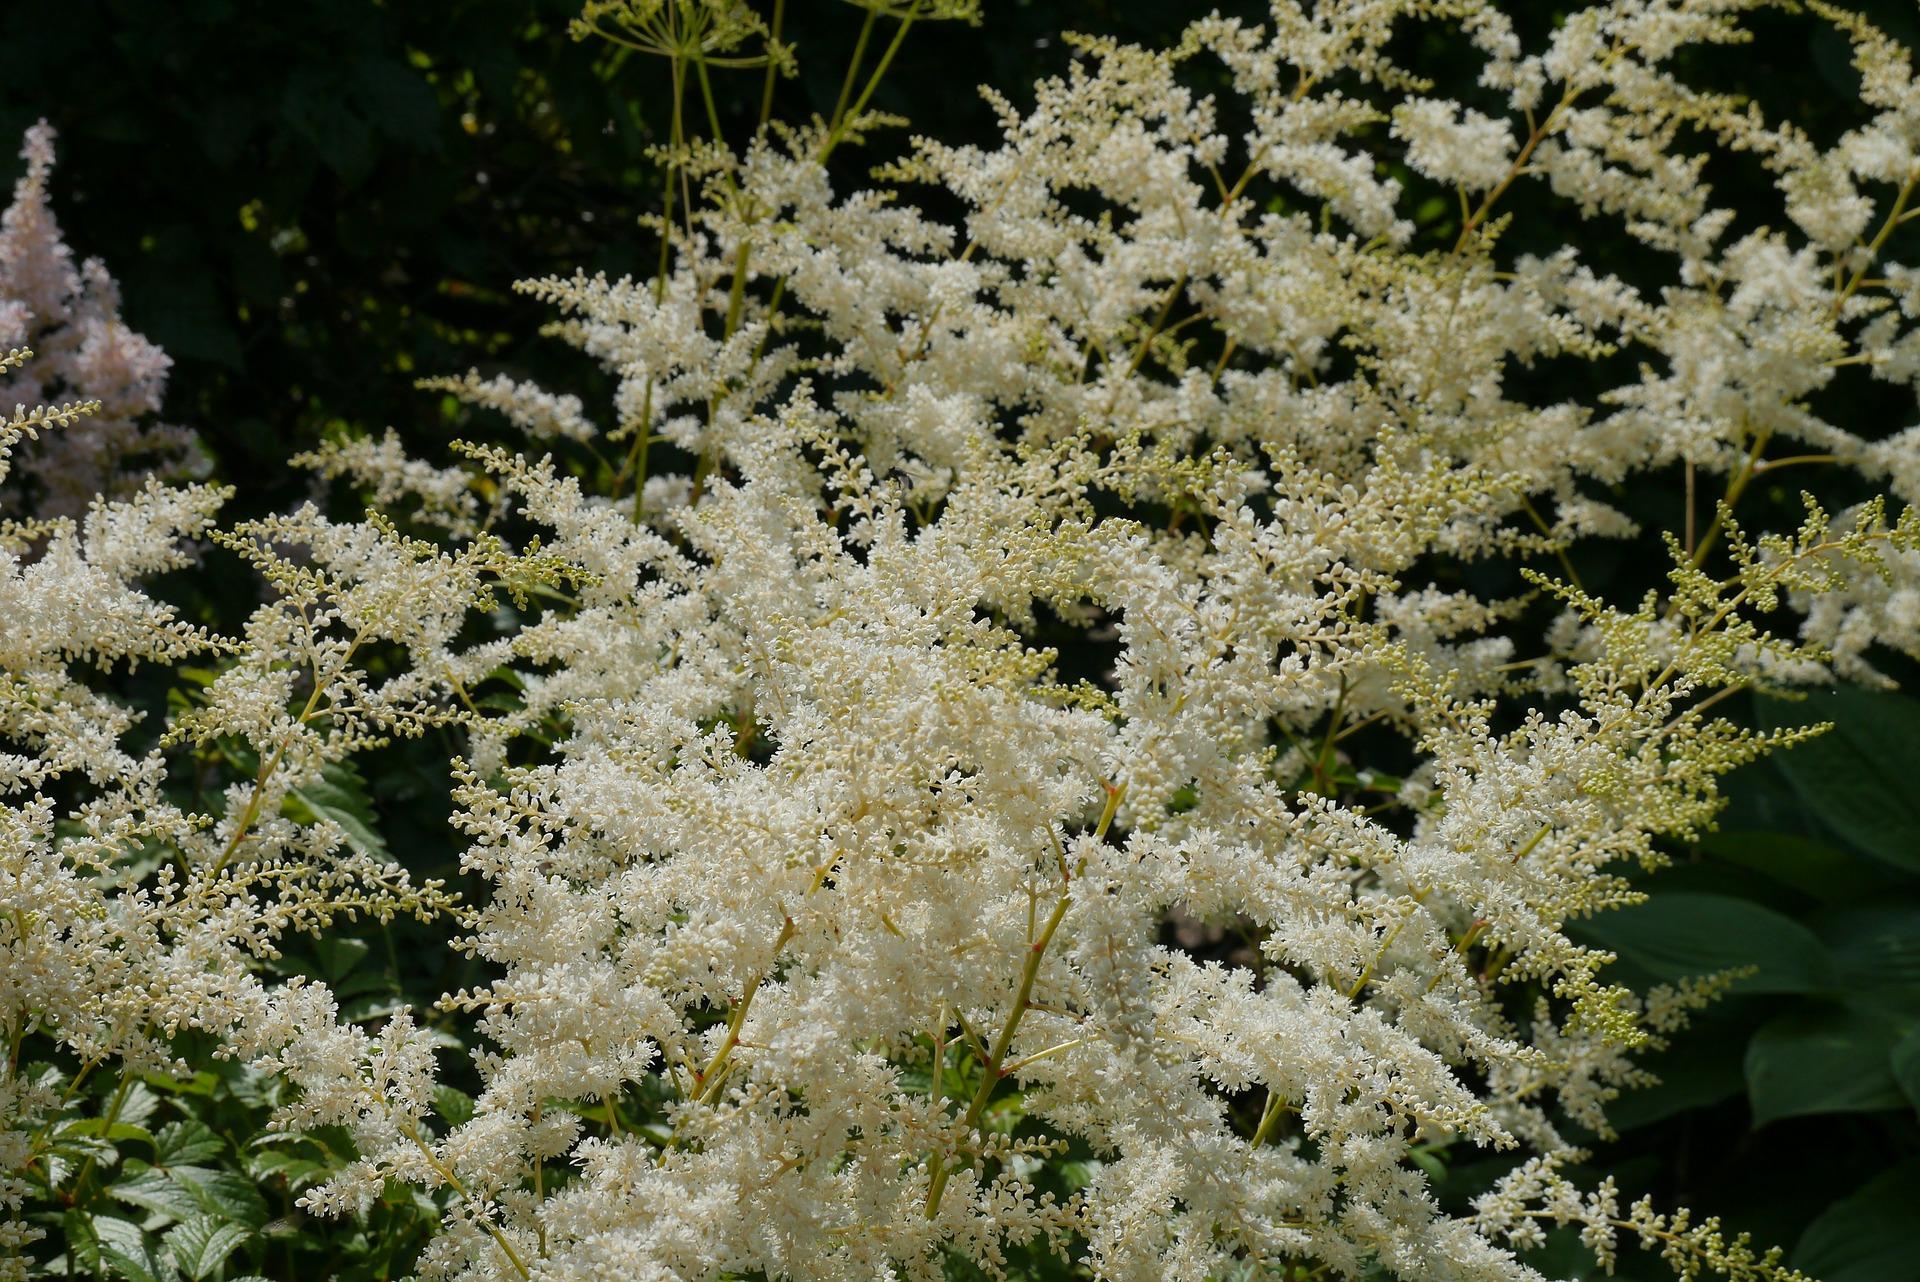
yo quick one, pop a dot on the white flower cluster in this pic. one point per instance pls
(828, 914)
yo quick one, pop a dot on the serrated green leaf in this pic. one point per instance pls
(139, 1104)
(296, 1170)
(185, 1143)
(1824, 1057)
(1679, 934)
(86, 1148)
(199, 1246)
(82, 1243)
(340, 795)
(227, 1194)
(98, 1128)
(1857, 776)
(154, 1190)
(127, 1251)
(201, 1083)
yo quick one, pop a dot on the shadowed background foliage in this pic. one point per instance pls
(311, 205)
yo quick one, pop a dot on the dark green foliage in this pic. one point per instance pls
(1790, 1107)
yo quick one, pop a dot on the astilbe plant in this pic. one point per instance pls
(829, 918)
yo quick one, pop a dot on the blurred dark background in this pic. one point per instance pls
(311, 205)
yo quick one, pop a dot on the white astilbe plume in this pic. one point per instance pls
(128, 916)
(835, 911)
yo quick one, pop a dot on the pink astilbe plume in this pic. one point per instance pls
(68, 314)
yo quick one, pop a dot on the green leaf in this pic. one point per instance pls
(453, 1104)
(126, 1250)
(98, 1127)
(201, 1245)
(296, 1170)
(201, 1083)
(1703, 1066)
(313, 104)
(183, 1192)
(76, 1150)
(185, 1143)
(1868, 1235)
(81, 1239)
(1077, 1174)
(227, 1194)
(1905, 1063)
(339, 954)
(1682, 933)
(1814, 868)
(398, 101)
(154, 1190)
(1857, 776)
(1875, 946)
(139, 1104)
(1824, 1057)
(340, 794)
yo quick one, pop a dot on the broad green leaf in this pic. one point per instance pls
(453, 1104)
(201, 1083)
(86, 1148)
(1824, 1057)
(339, 954)
(1079, 1174)
(296, 1170)
(1681, 933)
(154, 1190)
(1874, 946)
(1812, 867)
(182, 1192)
(1703, 1066)
(81, 1240)
(185, 1144)
(98, 1127)
(1858, 776)
(139, 1104)
(1868, 1235)
(315, 106)
(1905, 1062)
(126, 1250)
(227, 1194)
(340, 794)
(201, 1245)
(371, 1006)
